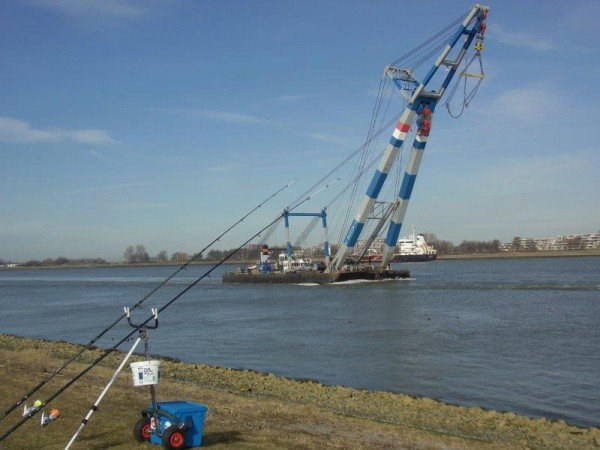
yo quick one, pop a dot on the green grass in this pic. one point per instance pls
(254, 410)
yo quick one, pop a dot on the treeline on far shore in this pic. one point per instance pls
(465, 247)
(60, 261)
(137, 254)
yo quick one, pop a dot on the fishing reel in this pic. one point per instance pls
(28, 410)
(47, 419)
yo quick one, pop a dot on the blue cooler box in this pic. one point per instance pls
(189, 412)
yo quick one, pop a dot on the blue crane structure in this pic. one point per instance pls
(421, 103)
(322, 215)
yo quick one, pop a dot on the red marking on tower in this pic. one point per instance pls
(404, 127)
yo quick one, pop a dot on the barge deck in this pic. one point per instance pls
(335, 276)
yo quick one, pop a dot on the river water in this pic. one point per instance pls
(519, 335)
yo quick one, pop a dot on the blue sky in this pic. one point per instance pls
(160, 122)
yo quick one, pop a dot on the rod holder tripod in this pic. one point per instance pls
(143, 328)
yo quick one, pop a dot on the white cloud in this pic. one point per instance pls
(520, 38)
(518, 175)
(292, 97)
(138, 205)
(21, 132)
(225, 167)
(224, 116)
(328, 138)
(123, 9)
(110, 187)
(229, 116)
(525, 103)
(242, 118)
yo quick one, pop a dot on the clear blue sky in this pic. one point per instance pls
(158, 122)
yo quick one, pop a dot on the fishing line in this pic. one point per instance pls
(108, 351)
(139, 303)
(348, 158)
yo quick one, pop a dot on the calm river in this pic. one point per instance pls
(519, 335)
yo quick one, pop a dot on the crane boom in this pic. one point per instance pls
(421, 106)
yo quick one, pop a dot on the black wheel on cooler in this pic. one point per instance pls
(173, 438)
(142, 430)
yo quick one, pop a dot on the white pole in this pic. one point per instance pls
(104, 391)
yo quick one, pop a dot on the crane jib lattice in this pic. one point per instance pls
(422, 101)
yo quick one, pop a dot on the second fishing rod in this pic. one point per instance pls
(108, 351)
(42, 383)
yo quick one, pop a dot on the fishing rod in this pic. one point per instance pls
(108, 351)
(349, 157)
(139, 303)
(103, 393)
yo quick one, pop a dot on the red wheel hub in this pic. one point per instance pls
(146, 431)
(177, 440)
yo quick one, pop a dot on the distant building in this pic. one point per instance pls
(522, 244)
(558, 243)
(506, 247)
(375, 248)
(591, 240)
(527, 244)
(544, 244)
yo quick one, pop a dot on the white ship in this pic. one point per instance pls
(414, 248)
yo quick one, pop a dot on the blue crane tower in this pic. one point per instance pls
(422, 101)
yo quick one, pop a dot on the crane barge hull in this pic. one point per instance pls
(336, 276)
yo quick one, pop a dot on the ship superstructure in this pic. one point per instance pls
(413, 248)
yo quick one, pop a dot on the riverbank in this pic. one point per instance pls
(518, 255)
(120, 264)
(205, 262)
(255, 410)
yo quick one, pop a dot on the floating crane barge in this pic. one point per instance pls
(334, 276)
(421, 98)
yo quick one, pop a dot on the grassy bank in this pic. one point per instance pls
(254, 410)
(515, 255)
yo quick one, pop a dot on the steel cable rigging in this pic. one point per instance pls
(464, 76)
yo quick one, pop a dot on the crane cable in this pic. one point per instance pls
(414, 59)
(414, 53)
(468, 95)
(429, 40)
(383, 87)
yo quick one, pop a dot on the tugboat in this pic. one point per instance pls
(414, 249)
